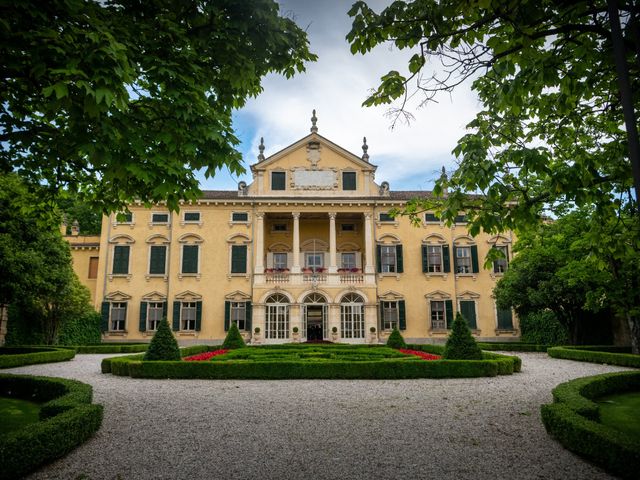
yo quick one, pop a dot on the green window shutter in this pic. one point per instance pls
(505, 319)
(381, 319)
(190, 259)
(468, 310)
(164, 311)
(278, 181)
(238, 259)
(104, 316)
(176, 316)
(379, 257)
(446, 259)
(120, 260)
(158, 261)
(425, 262)
(227, 315)
(198, 316)
(348, 180)
(474, 259)
(402, 315)
(455, 258)
(143, 316)
(399, 262)
(249, 313)
(448, 308)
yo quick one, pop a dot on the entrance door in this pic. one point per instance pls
(315, 327)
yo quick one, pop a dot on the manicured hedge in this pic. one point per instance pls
(271, 369)
(596, 354)
(112, 348)
(19, 356)
(67, 419)
(513, 346)
(572, 420)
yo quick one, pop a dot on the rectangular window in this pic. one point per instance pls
(347, 227)
(238, 259)
(190, 258)
(279, 227)
(314, 260)
(468, 311)
(161, 218)
(154, 315)
(460, 219)
(279, 261)
(500, 265)
(120, 260)
(124, 217)
(348, 260)
(188, 315)
(157, 259)
(385, 217)
(388, 258)
(118, 316)
(438, 320)
(239, 314)
(93, 267)
(278, 180)
(389, 315)
(239, 217)
(431, 217)
(505, 319)
(463, 259)
(191, 217)
(434, 258)
(348, 180)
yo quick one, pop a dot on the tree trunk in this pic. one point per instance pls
(634, 329)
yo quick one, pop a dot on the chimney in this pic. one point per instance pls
(63, 226)
(75, 228)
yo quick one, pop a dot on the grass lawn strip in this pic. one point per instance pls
(622, 412)
(16, 413)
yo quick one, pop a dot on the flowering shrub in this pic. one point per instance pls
(422, 355)
(201, 357)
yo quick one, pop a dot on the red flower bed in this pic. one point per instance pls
(205, 356)
(422, 355)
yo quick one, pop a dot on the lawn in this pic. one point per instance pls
(16, 413)
(622, 412)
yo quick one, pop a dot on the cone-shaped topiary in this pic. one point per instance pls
(395, 340)
(233, 338)
(163, 345)
(461, 344)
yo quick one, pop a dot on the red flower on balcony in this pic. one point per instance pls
(205, 356)
(422, 355)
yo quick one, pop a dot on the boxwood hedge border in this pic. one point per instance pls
(134, 366)
(67, 419)
(18, 356)
(573, 420)
(608, 354)
(513, 346)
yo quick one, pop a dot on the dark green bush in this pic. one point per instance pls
(461, 344)
(112, 348)
(81, 330)
(18, 356)
(233, 339)
(163, 345)
(543, 328)
(513, 346)
(582, 354)
(67, 420)
(572, 421)
(396, 340)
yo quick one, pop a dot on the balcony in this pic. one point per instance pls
(318, 276)
(276, 275)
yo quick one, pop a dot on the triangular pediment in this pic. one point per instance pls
(188, 295)
(158, 296)
(238, 295)
(468, 294)
(437, 295)
(390, 295)
(117, 296)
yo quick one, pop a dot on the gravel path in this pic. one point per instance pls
(316, 429)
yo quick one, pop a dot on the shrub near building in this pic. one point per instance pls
(233, 339)
(460, 344)
(163, 345)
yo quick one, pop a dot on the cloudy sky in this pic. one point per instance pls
(409, 157)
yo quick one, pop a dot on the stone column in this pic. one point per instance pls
(333, 266)
(368, 243)
(295, 268)
(259, 264)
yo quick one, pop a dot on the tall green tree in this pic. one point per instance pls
(123, 99)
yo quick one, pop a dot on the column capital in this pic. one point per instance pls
(260, 215)
(368, 215)
(295, 215)
(332, 215)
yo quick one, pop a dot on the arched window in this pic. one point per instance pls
(352, 316)
(315, 317)
(277, 316)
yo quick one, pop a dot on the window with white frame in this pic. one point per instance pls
(154, 314)
(191, 217)
(438, 315)
(239, 314)
(160, 218)
(434, 258)
(241, 217)
(314, 260)
(118, 316)
(277, 317)
(157, 259)
(352, 316)
(190, 255)
(188, 312)
(348, 260)
(120, 260)
(388, 258)
(463, 260)
(280, 260)
(500, 264)
(124, 217)
(389, 315)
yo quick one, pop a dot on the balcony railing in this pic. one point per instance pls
(308, 276)
(277, 277)
(351, 277)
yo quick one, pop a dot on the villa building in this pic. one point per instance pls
(308, 244)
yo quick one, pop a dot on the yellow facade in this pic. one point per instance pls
(304, 245)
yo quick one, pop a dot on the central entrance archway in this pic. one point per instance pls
(314, 317)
